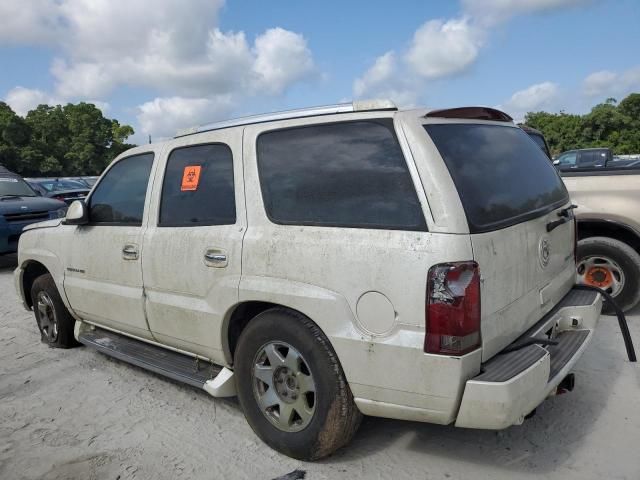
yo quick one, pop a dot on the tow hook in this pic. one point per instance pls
(566, 385)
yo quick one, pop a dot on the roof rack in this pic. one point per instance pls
(355, 106)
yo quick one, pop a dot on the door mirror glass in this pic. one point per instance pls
(77, 214)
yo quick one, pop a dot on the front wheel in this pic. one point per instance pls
(613, 266)
(292, 388)
(54, 320)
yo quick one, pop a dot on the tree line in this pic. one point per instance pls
(69, 140)
(609, 124)
(76, 139)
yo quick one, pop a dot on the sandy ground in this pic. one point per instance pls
(77, 414)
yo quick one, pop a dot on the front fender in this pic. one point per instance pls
(29, 250)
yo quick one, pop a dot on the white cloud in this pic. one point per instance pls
(173, 49)
(29, 21)
(385, 79)
(443, 48)
(21, 99)
(492, 12)
(541, 96)
(163, 117)
(281, 58)
(606, 83)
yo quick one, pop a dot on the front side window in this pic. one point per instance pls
(347, 174)
(568, 159)
(119, 197)
(198, 187)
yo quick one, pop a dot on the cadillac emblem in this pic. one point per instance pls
(544, 251)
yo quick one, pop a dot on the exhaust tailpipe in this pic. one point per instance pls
(566, 385)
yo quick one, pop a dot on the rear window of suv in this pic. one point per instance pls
(502, 177)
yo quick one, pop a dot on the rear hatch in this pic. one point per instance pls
(512, 196)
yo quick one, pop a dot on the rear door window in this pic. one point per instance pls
(198, 187)
(502, 177)
(346, 174)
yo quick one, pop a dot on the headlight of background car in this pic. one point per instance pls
(60, 213)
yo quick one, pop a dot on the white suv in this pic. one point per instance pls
(326, 263)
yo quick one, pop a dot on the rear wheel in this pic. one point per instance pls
(613, 266)
(292, 388)
(54, 320)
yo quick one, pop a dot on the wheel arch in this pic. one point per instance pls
(327, 309)
(31, 270)
(588, 228)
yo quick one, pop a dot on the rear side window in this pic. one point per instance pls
(502, 177)
(119, 197)
(347, 174)
(198, 187)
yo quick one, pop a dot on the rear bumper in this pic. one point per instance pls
(511, 385)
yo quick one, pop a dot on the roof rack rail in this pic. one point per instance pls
(355, 106)
(471, 113)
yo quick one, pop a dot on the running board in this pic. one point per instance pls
(215, 380)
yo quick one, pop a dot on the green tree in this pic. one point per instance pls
(610, 124)
(75, 139)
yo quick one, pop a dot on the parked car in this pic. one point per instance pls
(327, 263)
(608, 220)
(89, 181)
(21, 206)
(63, 189)
(590, 159)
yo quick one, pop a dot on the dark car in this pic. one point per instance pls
(20, 206)
(586, 158)
(63, 189)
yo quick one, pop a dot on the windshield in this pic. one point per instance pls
(13, 186)
(59, 185)
(502, 177)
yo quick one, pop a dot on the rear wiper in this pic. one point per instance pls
(565, 211)
(565, 214)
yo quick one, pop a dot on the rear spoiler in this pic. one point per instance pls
(471, 113)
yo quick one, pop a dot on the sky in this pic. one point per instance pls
(164, 65)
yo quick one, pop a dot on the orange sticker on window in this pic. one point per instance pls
(190, 178)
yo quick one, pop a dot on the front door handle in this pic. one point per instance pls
(130, 252)
(214, 257)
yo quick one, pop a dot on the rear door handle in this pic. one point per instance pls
(130, 252)
(215, 257)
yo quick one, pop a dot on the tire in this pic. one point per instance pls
(623, 263)
(54, 320)
(334, 418)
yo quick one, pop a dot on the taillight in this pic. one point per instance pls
(453, 308)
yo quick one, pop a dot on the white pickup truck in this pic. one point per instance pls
(326, 263)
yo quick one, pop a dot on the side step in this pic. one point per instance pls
(174, 365)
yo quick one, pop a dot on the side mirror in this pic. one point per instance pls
(77, 214)
(556, 162)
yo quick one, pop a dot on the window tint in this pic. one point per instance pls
(350, 174)
(198, 187)
(592, 158)
(502, 177)
(119, 197)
